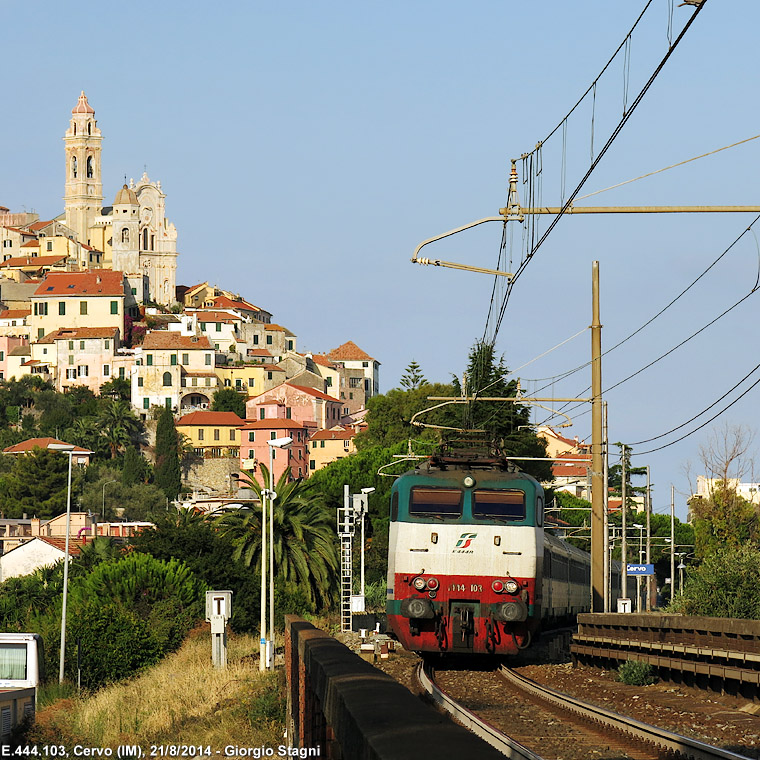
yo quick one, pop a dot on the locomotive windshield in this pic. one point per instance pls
(498, 505)
(436, 502)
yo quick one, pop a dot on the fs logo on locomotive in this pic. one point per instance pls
(464, 542)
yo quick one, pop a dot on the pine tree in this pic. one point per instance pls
(507, 422)
(412, 377)
(167, 474)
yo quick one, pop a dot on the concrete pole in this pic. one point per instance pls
(263, 615)
(65, 574)
(597, 463)
(650, 578)
(672, 542)
(270, 652)
(624, 543)
(607, 558)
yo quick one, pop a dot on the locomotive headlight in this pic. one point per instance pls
(498, 586)
(432, 583)
(511, 586)
(469, 481)
(419, 583)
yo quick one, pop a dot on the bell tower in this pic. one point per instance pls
(83, 198)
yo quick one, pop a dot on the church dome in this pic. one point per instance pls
(82, 106)
(126, 195)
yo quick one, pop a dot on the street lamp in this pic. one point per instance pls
(275, 443)
(68, 449)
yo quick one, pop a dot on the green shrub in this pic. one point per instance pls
(636, 673)
(726, 584)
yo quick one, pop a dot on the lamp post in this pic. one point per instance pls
(276, 443)
(68, 449)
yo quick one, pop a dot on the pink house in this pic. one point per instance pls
(7, 344)
(308, 406)
(254, 449)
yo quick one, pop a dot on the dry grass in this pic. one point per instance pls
(182, 699)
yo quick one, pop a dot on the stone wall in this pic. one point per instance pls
(211, 475)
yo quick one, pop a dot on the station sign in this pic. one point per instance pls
(640, 569)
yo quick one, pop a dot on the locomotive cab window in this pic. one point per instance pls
(436, 502)
(498, 505)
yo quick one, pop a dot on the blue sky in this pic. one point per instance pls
(307, 148)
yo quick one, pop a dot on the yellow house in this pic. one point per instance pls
(23, 268)
(212, 434)
(250, 379)
(327, 446)
(78, 299)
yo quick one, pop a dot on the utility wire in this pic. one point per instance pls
(567, 374)
(705, 410)
(704, 424)
(666, 168)
(626, 116)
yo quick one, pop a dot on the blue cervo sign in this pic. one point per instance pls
(640, 569)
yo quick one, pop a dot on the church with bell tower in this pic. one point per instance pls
(133, 233)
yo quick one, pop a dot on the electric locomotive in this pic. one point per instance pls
(466, 559)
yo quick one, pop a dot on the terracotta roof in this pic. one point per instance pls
(79, 333)
(158, 339)
(322, 360)
(333, 435)
(20, 231)
(82, 105)
(222, 302)
(312, 392)
(15, 313)
(259, 352)
(31, 244)
(349, 352)
(273, 424)
(213, 316)
(102, 282)
(40, 225)
(270, 367)
(211, 418)
(188, 373)
(562, 469)
(75, 544)
(571, 442)
(278, 328)
(20, 351)
(37, 261)
(40, 443)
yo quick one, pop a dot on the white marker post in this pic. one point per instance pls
(218, 612)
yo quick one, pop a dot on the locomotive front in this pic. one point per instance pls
(465, 552)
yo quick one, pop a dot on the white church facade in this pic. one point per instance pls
(134, 234)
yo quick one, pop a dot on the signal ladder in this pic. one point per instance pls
(346, 533)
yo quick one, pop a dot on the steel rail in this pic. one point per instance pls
(500, 741)
(681, 745)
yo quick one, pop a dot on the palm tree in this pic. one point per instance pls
(304, 545)
(120, 426)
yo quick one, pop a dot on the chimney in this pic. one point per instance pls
(35, 526)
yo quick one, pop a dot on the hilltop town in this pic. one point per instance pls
(90, 297)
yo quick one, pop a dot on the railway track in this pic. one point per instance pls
(531, 722)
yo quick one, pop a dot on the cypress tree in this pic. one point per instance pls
(167, 474)
(134, 467)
